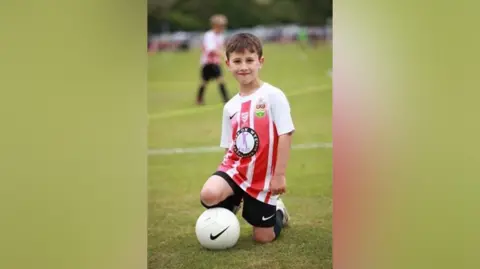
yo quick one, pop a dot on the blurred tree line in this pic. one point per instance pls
(193, 15)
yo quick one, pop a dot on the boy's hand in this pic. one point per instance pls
(278, 185)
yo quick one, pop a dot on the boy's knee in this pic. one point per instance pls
(209, 197)
(263, 235)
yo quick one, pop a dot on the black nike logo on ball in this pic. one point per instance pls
(231, 117)
(213, 237)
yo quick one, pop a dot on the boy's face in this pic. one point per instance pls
(244, 66)
(219, 28)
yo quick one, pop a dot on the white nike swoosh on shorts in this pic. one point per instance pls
(264, 219)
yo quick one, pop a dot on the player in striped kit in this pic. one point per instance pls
(256, 133)
(212, 55)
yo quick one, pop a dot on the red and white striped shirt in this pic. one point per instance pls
(250, 129)
(211, 41)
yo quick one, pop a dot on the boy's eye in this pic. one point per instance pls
(237, 61)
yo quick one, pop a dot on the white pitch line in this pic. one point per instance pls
(200, 150)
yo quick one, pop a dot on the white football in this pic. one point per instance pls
(217, 228)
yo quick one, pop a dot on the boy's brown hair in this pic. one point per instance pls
(244, 41)
(218, 19)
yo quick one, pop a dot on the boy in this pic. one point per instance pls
(256, 134)
(212, 54)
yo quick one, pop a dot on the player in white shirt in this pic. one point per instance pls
(257, 127)
(212, 56)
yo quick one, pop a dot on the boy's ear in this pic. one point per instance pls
(227, 62)
(261, 61)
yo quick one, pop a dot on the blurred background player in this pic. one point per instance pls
(212, 55)
(302, 37)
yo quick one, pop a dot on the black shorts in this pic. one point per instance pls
(256, 213)
(211, 71)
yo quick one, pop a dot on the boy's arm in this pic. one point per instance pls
(283, 120)
(283, 154)
(222, 53)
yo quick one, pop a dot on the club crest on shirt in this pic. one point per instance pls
(246, 142)
(260, 108)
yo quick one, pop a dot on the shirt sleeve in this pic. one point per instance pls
(226, 137)
(281, 113)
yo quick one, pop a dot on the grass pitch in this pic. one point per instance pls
(175, 180)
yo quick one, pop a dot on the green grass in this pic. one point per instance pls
(175, 180)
